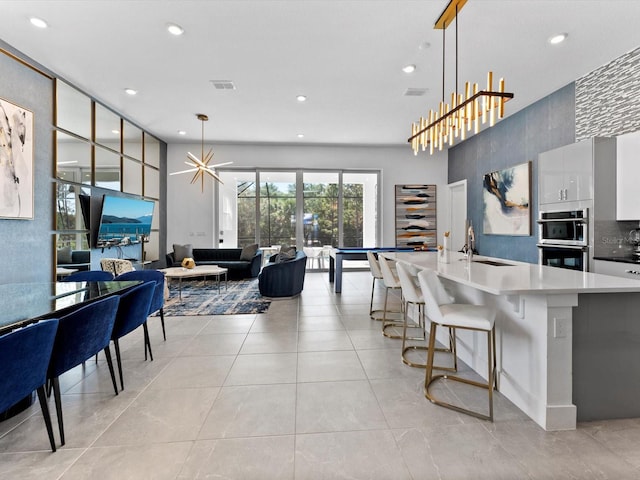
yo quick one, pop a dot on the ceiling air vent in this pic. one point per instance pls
(223, 84)
(415, 92)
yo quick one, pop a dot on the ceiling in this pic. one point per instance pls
(346, 56)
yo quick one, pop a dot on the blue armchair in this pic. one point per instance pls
(284, 279)
(157, 302)
(24, 358)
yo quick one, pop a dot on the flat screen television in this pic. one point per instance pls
(124, 221)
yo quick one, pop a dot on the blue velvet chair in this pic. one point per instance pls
(89, 276)
(24, 358)
(157, 302)
(283, 279)
(132, 312)
(82, 334)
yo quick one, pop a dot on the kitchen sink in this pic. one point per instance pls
(494, 263)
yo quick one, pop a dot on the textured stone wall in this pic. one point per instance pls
(608, 99)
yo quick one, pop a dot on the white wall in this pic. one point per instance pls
(190, 212)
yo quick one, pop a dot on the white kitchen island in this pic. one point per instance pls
(568, 342)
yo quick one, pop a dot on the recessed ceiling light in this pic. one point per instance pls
(561, 37)
(301, 135)
(175, 29)
(115, 132)
(130, 91)
(181, 132)
(38, 22)
(301, 98)
(409, 68)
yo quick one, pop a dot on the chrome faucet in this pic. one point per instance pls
(471, 240)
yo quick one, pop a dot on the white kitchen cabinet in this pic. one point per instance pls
(565, 174)
(627, 175)
(617, 269)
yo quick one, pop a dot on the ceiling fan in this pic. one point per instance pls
(201, 165)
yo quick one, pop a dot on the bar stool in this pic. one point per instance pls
(376, 273)
(412, 294)
(443, 312)
(391, 281)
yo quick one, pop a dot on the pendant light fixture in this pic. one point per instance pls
(467, 110)
(201, 165)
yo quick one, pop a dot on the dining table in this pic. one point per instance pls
(24, 303)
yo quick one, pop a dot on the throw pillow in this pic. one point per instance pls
(285, 257)
(64, 255)
(249, 252)
(181, 252)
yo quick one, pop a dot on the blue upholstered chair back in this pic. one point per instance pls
(89, 276)
(133, 309)
(24, 358)
(83, 333)
(157, 301)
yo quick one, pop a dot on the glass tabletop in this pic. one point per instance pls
(24, 302)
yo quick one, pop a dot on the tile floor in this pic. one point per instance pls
(309, 390)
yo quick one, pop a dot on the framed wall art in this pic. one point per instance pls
(506, 201)
(416, 216)
(16, 161)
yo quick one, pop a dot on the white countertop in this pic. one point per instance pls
(517, 277)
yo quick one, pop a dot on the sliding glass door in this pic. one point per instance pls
(337, 208)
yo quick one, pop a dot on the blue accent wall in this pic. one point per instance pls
(519, 138)
(27, 245)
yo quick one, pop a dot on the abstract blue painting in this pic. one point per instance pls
(506, 201)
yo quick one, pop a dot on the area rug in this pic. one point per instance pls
(202, 298)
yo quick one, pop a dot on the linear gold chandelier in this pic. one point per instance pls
(201, 165)
(466, 111)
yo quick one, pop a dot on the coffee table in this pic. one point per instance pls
(197, 271)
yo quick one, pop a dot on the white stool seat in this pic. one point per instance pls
(442, 311)
(412, 294)
(477, 317)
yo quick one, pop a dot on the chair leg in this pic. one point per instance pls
(147, 342)
(374, 314)
(406, 348)
(58, 400)
(42, 397)
(388, 324)
(430, 378)
(164, 333)
(116, 345)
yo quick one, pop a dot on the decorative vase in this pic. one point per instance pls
(188, 263)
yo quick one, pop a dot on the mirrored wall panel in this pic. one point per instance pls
(152, 248)
(132, 141)
(131, 176)
(107, 128)
(151, 182)
(107, 169)
(151, 150)
(72, 207)
(73, 110)
(73, 158)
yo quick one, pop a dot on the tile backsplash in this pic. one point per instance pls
(611, 238)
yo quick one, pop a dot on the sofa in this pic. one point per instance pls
(75, 259)
(283, 278)
(229, 258)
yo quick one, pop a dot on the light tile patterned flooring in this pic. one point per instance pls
(309, 390)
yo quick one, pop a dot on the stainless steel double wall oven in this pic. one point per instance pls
(563, 239)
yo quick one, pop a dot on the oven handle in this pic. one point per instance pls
(584, 248)
(550, 220)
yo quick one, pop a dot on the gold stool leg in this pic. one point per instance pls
(374, 314)
(430, 378)
(390, 323)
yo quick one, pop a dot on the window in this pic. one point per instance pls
(337, 208)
